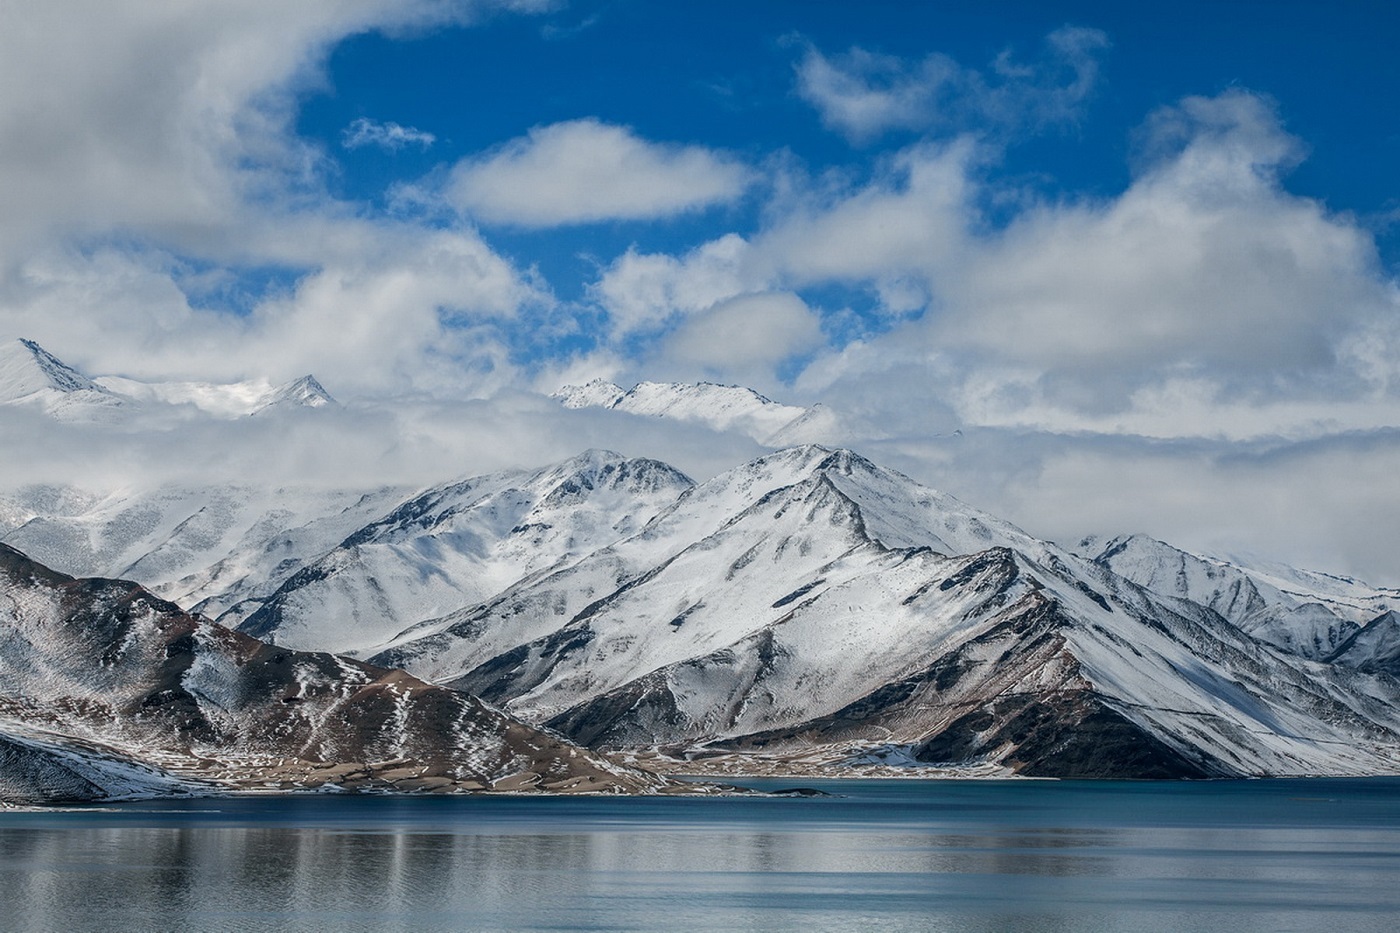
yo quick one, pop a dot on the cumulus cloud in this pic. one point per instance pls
(863, 94)
(385, 308)
(746, 335)
(164, 119)
(148, 158)
(1205, 299)
(893, 235)
(585, 171)
(642, 292)
(390, 135)
(1204, 269)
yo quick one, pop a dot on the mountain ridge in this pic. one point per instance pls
(718, 406)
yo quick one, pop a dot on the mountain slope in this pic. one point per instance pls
(221, 549)
(1303, 613)
(103, 663)
(30, 375)
(808, 602)
(459, 544)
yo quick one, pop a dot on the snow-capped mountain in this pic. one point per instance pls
(225, 400)
(720, 407)
(811, 597)
(30, 375)
(460, 544)
(107, 691)
(207, 547)
(1302, 612)
(808, 600)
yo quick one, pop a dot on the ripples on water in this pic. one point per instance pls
(883, 855)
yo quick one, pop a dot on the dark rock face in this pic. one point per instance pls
(1066, 736)
(105, 660)
(29, 776)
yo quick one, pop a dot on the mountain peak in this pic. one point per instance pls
(27, 368)
(306, 392)
(718, 406)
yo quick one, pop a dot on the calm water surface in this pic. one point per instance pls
(877, 855)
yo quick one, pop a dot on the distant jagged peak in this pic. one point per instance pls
(224, 399)
(598, 393)
(27, 368)
(594, 470)
(718, 406)
(661, 397)
(30, 374)
(305, 392)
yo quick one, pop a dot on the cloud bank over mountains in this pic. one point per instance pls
(1203, 354)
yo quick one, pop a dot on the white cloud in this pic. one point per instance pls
(643, 292)
(1203, 300)
(163, 119)
(746, 335)
(148, 150)
(914, 217)
(862, 94)
(390, 135)
(894, 235)
(1204, 268)
(585, 171)
(387, 309)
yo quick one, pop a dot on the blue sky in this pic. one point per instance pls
(726, 76)
(722, 74)
(1148, 249)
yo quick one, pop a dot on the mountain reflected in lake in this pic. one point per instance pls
(893, 855)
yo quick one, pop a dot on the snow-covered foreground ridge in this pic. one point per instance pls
(808, 605)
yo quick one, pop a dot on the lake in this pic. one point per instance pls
(875, 855)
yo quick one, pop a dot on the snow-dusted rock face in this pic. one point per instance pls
(721, 407)
(460, 544)
(1301, 612)
(31, 376)
(213, 548)
(107, 691)
(596, 394)
(1374, 647)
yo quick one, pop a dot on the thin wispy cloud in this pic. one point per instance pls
(390, 136)
(863, 94)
